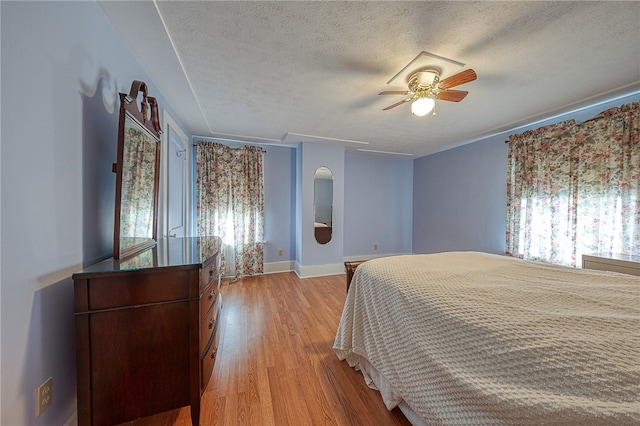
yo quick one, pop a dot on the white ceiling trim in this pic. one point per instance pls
(374, 151)
(299, 137)
(182, 66)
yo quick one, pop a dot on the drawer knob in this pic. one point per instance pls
(210, 272)
(213, 353)
(212, 323)
(212, 294)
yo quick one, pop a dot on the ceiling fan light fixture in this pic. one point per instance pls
(422, 106)
(425, 87)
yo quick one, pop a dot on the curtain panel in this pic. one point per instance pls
(230, 203)
(573, 188)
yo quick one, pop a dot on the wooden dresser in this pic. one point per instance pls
(624, 263)
(146, 331)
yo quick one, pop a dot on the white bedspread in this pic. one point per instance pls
(474, 338)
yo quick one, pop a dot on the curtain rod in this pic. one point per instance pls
(195, 144)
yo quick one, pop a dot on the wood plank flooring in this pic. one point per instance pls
(275, 364)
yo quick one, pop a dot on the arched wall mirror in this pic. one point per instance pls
(323, 205)
(137, 173)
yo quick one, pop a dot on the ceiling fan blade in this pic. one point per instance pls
(452, 95)
(397, 104)
(394, 92)
(458, 79)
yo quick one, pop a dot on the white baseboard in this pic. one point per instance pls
(276, 267)
(310, 271)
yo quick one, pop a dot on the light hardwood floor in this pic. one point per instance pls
(276, 365)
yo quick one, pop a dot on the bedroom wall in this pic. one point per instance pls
(315, 259)
(62, 67)
(378, 192)
(377, 208)
(377, 205)
(279, 213)
(459, 195)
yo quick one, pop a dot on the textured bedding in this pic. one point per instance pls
(474, 338)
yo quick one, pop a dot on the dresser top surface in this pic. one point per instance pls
(168, 252)
(613, 256)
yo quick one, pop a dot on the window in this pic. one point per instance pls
(574, 188)
(230, 203)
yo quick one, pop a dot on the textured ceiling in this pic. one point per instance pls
(286, 72)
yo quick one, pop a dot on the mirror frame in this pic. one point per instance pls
(322, 235)
(147, 117)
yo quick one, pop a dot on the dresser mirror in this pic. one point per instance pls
(323, 205)
(137, 173)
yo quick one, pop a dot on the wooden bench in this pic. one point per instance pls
(351, 269)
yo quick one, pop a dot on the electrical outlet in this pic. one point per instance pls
(44, 396)
(280, 252)
(375, 247)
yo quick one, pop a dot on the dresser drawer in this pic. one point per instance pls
(207, 327)
(137, 288)
(208, 298)
(209, 272)
(208, 360)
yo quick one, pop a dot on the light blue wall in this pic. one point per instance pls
(279, 200)
(62, 67)
(312, 156)
(459, 199)
(377, 209)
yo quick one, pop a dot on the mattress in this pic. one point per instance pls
(475, 338)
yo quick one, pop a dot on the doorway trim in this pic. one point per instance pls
(171, 124)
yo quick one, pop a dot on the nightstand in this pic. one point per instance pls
(351, 269)
(625, 263)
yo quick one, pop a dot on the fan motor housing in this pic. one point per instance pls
(424, 79)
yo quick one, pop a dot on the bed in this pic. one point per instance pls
(474, 338)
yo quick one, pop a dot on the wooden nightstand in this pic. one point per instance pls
(351, 269)
(625, 263)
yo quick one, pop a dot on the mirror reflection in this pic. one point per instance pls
(137, 205)
(137, 173)
(323, 204)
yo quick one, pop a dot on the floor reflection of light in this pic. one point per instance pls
(243, 331)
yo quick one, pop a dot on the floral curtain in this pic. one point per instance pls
(230, 203)
(574, 188)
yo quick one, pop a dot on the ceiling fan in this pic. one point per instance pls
(425, 87)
